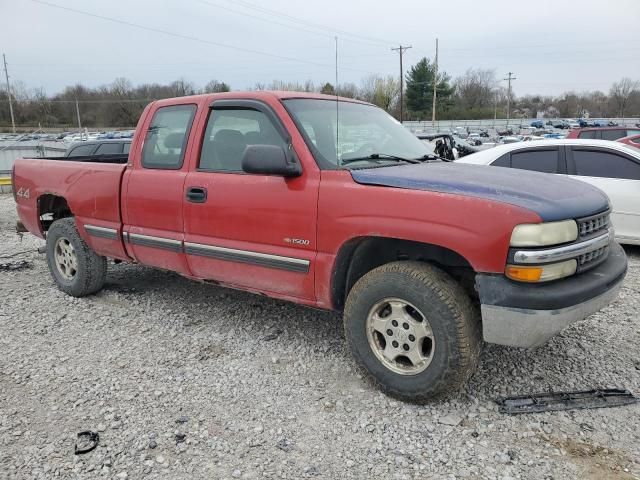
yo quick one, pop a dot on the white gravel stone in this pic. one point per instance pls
(154, 347)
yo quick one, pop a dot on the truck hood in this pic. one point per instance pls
(552, 197)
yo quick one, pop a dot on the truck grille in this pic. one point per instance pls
(591, 259)
(590, 225)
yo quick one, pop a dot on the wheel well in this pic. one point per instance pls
(51, 208)
(361, 255)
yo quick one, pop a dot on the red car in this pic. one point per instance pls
(632, 140)
(603, 133)
(333, 204)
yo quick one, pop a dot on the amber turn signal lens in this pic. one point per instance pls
(524, 274)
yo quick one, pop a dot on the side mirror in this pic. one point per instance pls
(269, 160)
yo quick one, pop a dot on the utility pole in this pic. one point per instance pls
(78, 115)
(509, 78)
(6, 75)
(401, 50)
(435, 82)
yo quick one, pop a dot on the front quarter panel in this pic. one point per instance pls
(477, 229)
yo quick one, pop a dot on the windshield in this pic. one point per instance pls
(365, 134)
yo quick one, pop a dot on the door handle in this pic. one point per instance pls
(197, 194)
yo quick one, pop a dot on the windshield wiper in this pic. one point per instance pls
(428, 157)
(378, 156)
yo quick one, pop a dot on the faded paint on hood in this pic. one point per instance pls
(552, 197)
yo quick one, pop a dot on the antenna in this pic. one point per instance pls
(435, 83)
(337, 103)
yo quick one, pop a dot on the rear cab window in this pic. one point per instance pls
(589, 134)
(109, 148)
(82, 150)
(166, 139)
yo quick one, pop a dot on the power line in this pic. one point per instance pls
(277, 13)
(401, 51)
(328, 34)
(179, 35)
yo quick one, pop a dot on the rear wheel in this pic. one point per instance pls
(76, 269)
(413, 330)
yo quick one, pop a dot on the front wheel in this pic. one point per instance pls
(413, 330)
(76, 269)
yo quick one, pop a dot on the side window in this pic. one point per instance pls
(545, 161)
(613, 134)
(592, 163)
(166, 139)
(628, 133)
(503, 161)
(82, 150)
(109, 148)
(588, 134)
(229, 132)
(127, 148)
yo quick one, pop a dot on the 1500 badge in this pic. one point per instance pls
(297, 241)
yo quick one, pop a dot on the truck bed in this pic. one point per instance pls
(89, 185)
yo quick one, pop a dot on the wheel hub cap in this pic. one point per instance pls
(400, 336)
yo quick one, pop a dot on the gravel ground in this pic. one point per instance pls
(185, 380)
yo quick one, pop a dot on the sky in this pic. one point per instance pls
(550, 46)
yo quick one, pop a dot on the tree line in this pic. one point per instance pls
(477, 94)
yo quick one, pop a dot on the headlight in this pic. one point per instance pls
(541, 273)
(544, 234)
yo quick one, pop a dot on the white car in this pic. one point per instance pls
(611, 166)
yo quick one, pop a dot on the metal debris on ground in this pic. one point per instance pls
(13, 266)
(553, 401)
(86, 442)
(273, 335)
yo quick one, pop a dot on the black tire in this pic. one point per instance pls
(91, 271)
(454, 321)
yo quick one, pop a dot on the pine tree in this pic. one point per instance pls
(419, 94)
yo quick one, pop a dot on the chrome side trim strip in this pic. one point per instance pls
(245, 256)
(563, 253)
(155, 242)
(101, 232)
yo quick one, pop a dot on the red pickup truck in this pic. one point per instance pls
(331, 203)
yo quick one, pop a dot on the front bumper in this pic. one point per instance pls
(527, 315)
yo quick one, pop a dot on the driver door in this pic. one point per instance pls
(250, 230)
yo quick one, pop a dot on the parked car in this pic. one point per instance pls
(611, 166)
(253, 190)
(555, 135)
(632, 140)
(603, 133)
(562, 124)
(98, 147)
(537, 124)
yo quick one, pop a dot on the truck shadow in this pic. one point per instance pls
(579, 358)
